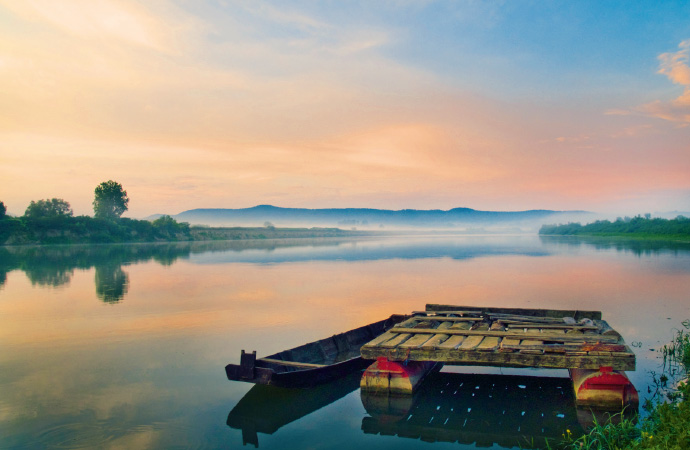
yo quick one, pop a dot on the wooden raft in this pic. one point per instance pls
(504, 337)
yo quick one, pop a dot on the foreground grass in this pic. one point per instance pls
(668, 424)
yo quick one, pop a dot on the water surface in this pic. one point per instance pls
(123, 346)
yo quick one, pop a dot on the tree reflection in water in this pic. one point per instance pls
(112, 283)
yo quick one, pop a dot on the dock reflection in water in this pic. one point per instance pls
(508, 410)
(480, 409)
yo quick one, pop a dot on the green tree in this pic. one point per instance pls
(55, 207)
(110, 201)
(3, 210)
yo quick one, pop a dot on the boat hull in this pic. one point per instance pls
(325, 358)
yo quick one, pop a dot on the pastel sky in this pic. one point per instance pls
(385, 104)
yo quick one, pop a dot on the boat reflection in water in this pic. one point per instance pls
(265, 408)
(481, 409)
(507, 410)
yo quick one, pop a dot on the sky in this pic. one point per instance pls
(394, 104)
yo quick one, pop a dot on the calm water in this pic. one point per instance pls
(124, 346)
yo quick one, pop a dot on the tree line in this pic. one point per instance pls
(628, 226)
(52, 221)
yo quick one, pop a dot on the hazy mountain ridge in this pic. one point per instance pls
(370, 217)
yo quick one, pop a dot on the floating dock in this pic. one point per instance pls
(580, 341)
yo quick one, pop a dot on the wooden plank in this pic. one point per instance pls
(438, 338)
(532, 346)
(578, 315)
(473, 341)
(529, 319)
(512, 334)
(552, 326)
(455, 311)
(453, 341)
(397, 340)
(489, 343)
(417, 339)
(291, 363)
(504, 359)
(510, 344)
(388, 335)
(605, 329)
(451, 318)
(537, 346)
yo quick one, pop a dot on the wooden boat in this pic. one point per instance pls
(313, 363)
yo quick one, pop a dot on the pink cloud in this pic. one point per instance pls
(675, 66)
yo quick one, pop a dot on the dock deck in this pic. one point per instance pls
(504, 337)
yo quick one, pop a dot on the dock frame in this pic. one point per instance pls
(595, 354)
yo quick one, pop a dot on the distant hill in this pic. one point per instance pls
(366, 218)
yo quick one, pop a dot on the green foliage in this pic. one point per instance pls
(47, 209)
(666, 426)
(170, 226)
(3, 210)
(84, 229)
(9, 227)
(110, 200)
(635, 226)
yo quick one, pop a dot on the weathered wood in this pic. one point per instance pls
(499, 358)
(388, 335)
(510, 344)
(454, 341)
(502, 337)
(489, 343)
(450, 318)
(418, 339)
(397, 340)
(528, 319)
(551, 326)
(577, 315)
(497, 326)
(438, 338)
(454, 311)
(512, 334)
(605, 329)
(291, 363)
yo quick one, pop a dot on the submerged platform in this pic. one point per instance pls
(504, 337)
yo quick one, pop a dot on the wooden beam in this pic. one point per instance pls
(505, 359)
(555, 313)
(514, 335)
(280, 362)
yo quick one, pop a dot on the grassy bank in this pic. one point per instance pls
(636, 227)
(89, 230)
(667, 425)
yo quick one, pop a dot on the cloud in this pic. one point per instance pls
(95, 19)
(675, 66)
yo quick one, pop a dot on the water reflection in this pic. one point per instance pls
(112, 283)
(54, 266)
(265, 409)
(148, 373)
(507, 410)
(481, 409)
(638, 247)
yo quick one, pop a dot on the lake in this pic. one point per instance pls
(124, 346)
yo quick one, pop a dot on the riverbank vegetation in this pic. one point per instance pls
(640, 227)
(89, 230)
(667, 424)
(52, 221)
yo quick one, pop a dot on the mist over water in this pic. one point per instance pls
(116, 346)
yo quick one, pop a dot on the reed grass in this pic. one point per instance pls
(666, 427)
